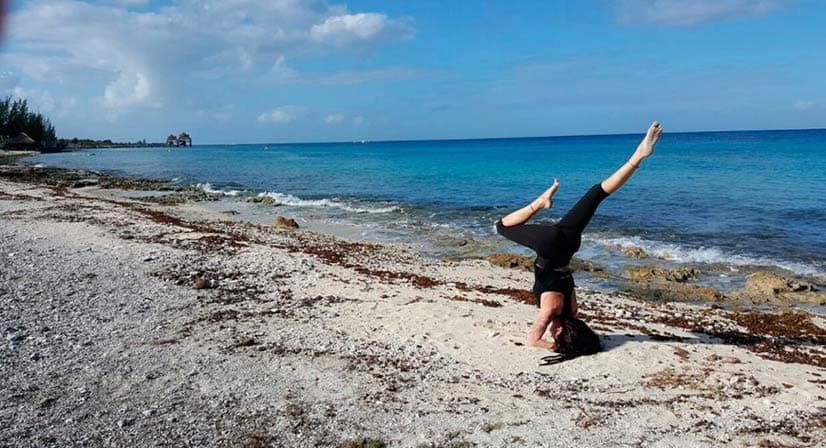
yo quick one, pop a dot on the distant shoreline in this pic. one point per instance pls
(457, 139)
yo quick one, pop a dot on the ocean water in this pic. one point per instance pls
(722, 198)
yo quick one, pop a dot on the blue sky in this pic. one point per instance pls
(234, 71)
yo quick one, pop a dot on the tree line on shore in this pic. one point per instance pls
(22, 129)
(15, 117)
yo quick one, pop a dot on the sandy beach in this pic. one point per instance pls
(149, 322)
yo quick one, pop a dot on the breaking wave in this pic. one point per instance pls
(294, 201)
(710, 255)
(207, 188)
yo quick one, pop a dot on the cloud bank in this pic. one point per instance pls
(127, 57)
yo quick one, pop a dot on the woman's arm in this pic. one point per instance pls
(573, 303)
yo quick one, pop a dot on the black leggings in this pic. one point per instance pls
(555, 244)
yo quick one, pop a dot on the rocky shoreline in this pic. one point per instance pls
(153, 322)
(661, 284)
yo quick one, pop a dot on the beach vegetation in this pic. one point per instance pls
(16, 118)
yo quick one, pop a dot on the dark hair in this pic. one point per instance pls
(576, 338)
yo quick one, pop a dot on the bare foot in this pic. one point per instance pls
(646, 146)
(546, 200)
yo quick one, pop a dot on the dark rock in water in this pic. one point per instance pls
(230, 212)
(681, 275)
(671, 291)
(263, 200)
(526, 264)
(579, 265)
(511, 261)
(769, 283)
(285, 223)
(633, 252)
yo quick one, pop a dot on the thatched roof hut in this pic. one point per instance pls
(22, 143)
(184, 139)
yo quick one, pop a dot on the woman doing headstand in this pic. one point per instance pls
(554, 245)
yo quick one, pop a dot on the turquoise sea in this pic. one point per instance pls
(722, 198)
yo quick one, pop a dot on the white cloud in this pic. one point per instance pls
(127, 90)
(359, 30)
(692, 12)
(38, 100)
(358, 121)
(148, 57)
(279, 115)
(283, 72)
(334, 118)
(804, 105)
(43, 101)
(8, 81)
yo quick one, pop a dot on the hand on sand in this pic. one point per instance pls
(646, 147)
(546, 200)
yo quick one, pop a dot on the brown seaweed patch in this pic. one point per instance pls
(614, 323)
(485, 302)
(681, 353)
(18, 197)
(339, 254)
(787, 324)
(421, 281)
(219, 238)
(670, 379)
(519, 295)
(775, 336)
(726, 359)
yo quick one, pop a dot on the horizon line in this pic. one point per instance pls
(455, 139)
(413, 140)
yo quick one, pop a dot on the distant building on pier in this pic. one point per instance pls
(182, 140)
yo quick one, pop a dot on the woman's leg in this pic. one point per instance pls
(645, 149)
(580, 214)
(534, 236)
(521, 216)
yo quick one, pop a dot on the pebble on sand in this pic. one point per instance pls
(285, 223)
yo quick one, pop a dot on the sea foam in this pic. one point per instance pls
(708, 255)
(294, 201)
(207, 188)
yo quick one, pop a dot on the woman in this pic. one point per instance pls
(554, 245)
